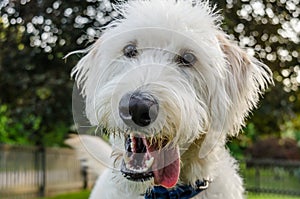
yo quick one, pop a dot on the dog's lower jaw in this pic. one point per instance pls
(218, 165)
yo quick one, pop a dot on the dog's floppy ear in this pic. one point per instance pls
(246, 79)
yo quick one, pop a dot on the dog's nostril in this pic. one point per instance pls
(143, 109)
(139, 108)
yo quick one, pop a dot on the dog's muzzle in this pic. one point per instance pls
(144, 157)
(138, 109)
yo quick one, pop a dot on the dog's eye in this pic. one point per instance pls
(187, 59)
(130, 51)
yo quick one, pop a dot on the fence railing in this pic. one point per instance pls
(272, 176)
(30, 172)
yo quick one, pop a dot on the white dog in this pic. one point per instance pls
(169, 87)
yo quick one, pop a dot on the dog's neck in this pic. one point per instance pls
(192, 168)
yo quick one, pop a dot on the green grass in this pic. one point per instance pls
(269, 196)
(79, 195)
(85, 195)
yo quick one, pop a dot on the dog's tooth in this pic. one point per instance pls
(149, 162)
(140, 170)
(132, 145)
(131, 136)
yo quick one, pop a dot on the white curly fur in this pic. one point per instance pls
(200, 106)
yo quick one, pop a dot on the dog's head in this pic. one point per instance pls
(163, 77)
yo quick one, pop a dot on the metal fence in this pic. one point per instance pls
(272, 176)
(30, 172)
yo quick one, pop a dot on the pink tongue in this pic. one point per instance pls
(166, 167)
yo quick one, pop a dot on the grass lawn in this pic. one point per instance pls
(79, 195)
(85, 195)
(268, 196)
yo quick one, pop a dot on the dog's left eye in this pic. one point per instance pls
(130, 51)
(187, 59)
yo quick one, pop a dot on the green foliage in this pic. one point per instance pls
(291, 129)
(3, 124)
(26, 130)
(238, 145)
(17, 130)
(266, 30)
(57, 135)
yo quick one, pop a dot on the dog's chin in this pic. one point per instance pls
(149, 158)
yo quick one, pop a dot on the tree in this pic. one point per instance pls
(35, 81)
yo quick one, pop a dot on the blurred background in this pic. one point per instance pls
(36, 94)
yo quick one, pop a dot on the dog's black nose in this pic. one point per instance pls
(138, 108)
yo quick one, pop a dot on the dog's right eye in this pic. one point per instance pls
(186, 59)
(130, 51)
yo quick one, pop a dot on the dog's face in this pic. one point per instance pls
(163, 77)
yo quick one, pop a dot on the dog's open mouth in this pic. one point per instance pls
(144, 159)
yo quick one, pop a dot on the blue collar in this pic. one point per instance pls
(178, 192)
